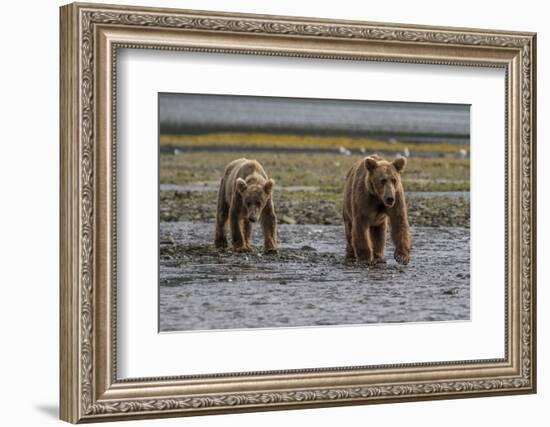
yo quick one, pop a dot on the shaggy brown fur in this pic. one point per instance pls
(244, 197)
(373, 193)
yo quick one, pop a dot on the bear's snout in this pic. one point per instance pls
(389, 201)
(253, 215)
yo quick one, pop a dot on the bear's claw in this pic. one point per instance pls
(402, 259)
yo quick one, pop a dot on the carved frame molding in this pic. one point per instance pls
(90, 36)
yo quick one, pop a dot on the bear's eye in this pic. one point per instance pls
(384, 181)
(394, 181)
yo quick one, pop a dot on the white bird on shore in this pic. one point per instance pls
(463, 153)
(406, 152)
(344, 151)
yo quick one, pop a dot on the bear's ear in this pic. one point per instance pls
(241, 185)
(268, 186)
(371, 164)
(400, 163)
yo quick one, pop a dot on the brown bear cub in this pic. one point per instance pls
(373, 193)
(244, 197)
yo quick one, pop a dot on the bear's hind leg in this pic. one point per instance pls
(378, 239)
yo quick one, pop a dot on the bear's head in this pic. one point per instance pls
(384, 178)
(254, 196)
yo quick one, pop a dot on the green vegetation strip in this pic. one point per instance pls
(323, 171)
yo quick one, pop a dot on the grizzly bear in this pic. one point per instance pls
(373, 193)
(244, 197)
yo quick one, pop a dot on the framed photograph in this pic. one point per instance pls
(265, 212)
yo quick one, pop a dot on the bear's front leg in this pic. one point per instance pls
(361, 243)
(247, 229)
(269, 228)
(401, 236)
(350, 253)
(378, 240)
(236, 219)
(220, 240)
(402, 255)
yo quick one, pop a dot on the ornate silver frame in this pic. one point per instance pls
(90, 36)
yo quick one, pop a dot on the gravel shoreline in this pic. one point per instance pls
(317, 207)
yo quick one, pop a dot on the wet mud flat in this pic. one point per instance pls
(309, 283)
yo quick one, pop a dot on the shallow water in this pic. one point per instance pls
(309, 283)
(207, 186)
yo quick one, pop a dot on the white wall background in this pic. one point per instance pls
(29, 171)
